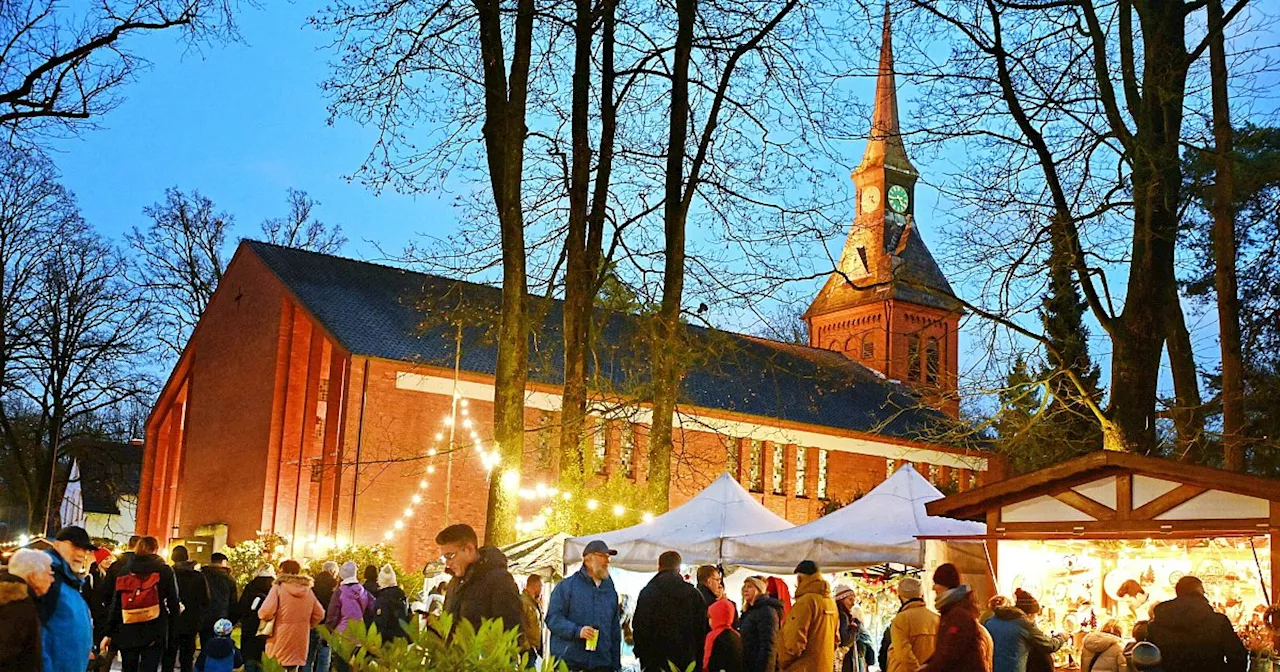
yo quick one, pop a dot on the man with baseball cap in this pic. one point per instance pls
(66, 627)
(584, 616)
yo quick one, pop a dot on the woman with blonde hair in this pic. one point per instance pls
(1103, 650)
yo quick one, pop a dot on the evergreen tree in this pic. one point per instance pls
(1062, 313)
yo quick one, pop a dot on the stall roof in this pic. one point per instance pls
(975, 504)
(695, 529)
(882, 526)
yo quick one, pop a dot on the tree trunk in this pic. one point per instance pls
(504, 134)
(1188, 412)
(667, 338)
(1224, 249)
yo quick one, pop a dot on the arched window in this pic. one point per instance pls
(868, 347)
(932, 361)
(913, 357)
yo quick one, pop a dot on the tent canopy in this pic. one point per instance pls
(695, 529)
(538, 555)
(882, 526)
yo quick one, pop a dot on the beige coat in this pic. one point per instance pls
(809, 631)
(1101, 652)
(912, 636)
(295, 610)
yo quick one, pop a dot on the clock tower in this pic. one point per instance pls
(888, 305)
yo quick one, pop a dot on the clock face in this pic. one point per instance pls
(898, 198)
(870, 198)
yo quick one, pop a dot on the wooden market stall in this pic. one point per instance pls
(1107, 535)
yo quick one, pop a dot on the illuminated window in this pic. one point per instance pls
(599, 449)
(755, 475)
(732, 459)
(913, 357)
(779, 469)
(932, 361)
(626, 450)
(545, 435)
(890, 466)
(801, 455)
(822, 474)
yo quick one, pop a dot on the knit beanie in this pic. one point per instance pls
(807, 568)
(947, 576)
(1145, 655)
(842, 591)
(910, 588)
(1026, 602)
(386, 577)
(348, 571)
(266, 570)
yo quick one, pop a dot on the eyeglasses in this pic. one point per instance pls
(448, 557)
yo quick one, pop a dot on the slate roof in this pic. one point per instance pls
(108, 471)
(402, 315)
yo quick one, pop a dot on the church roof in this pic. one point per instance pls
(397, 314)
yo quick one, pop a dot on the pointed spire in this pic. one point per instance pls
(885, 144)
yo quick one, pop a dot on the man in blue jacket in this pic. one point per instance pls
(66, 628)
(584, 616)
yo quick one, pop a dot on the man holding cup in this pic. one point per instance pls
(584, 616)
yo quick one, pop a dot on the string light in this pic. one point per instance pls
(619, 509)
(592, 504)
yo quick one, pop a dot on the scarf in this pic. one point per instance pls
(721, 615)
(951, 597)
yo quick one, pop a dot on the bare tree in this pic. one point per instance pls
(301, 229)
(178, 261)
(64, 63)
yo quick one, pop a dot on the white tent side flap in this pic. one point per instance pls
(882, 526)
(695, 529)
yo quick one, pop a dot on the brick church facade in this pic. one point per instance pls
(315, 392)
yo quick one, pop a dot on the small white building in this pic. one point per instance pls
(102, 490)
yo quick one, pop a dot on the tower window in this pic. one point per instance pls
(913, 357)
(932, 360)
(868, 347)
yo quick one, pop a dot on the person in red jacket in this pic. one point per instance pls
(962, 645)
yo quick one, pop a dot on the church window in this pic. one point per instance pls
(913, 357)
(544, 436)
(755, 472)
(890, 466)
(599, 448)
(732, 455)
(802, 455)
(868, 347)
(822, 474)
(626, 450)
(932, 361)
(779, 469)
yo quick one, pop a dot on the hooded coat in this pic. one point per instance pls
(350, 602)
(670, 623)
(486, 591)
(255, 593)
(810, 629)
(66, 625)
(725, 654)
(960, 646)
(193, 592)
(156, 631)
(1192, 637)
(391, 612)
(295, 610)
(759, 629)
(222, 595)
(1101, 652)
(1016, 638)
(912, 636)
(578, 602)
(219, 654)
(20, 633)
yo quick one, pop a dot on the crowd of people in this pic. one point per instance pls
(74, 607)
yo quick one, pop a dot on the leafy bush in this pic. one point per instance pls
(429, 649)
(245, 557)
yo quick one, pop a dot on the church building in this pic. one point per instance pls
(330, 400)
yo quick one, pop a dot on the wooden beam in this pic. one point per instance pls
(1124, 496)
(1166, 502)
(1149, 528)
(1083, 504)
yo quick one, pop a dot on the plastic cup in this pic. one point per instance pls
(593, 640)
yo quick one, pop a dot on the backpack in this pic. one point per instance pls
(139, 597)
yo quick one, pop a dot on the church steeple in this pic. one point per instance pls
(885, 148)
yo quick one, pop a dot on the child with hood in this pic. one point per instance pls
(350, 602)
(219, 654)
(390, 606)
(723, 648)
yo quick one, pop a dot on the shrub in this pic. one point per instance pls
(245, 557)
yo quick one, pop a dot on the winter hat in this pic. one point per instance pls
(387, 577)
(757, 583)
(807, 568)
(222, 628)
(910, 588)
(1026, 602)
(348, 571)
(1145, 655)
(329, 567)
(842, 591)
(947, 576)
(266, 570)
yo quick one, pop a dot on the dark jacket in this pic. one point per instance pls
(726, 653)
(19, 626)
(1020, 646)
(959, 643)
(486, 591)
(391, 612)
(158, 630)
(1192, 637)
(670, 623)
(193, 592)
(324, 586)
(576, 603)
(759, 628)
(246, 611)
(222, 596)
(219, 654)
(106, 592)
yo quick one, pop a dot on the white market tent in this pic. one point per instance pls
(882, 526)
(696, 529)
